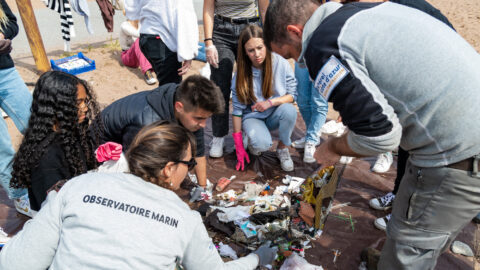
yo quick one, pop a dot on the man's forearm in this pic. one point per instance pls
(201, 171)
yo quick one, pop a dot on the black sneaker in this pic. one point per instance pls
(150, 77)
(382, 203)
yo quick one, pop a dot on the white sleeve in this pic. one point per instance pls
(187, 31)
(35, 245)
(132, 9)
(129, 30)
(201, 254)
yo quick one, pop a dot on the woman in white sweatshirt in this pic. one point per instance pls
(125, 221)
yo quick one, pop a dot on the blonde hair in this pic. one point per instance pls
(244, 82)
(3, 19)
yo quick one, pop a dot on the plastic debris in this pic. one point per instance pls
(287, 179)
(236, 213)
(224, 182)
(227, 251)
(461, 248)
(248, 228)
(336, 253)
(295, 262)
(295, 183)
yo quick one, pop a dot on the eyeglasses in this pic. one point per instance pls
(191, 163)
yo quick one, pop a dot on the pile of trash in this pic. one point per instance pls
(239, 221)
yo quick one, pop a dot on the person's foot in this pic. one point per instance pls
(382, 203)
(309, 152)
(300, 143)
(345, 160)
(383, 163)
(286, 161)
(216, 149)
(22, 205)
(150, 77)
(381, 223)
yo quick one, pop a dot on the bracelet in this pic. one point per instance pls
(269, 101)
(205, 40)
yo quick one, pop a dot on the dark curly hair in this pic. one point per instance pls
(54, 117)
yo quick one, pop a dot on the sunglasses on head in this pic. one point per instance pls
(191, 163)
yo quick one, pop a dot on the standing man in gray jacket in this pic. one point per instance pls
(398, 77)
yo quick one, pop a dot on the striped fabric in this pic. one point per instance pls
(236, 9)
(66, 19)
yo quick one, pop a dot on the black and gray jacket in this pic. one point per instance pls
(124, 118)
(397, 76)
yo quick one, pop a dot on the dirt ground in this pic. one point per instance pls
(111, 81)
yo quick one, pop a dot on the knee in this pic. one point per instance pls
(258, 141)
(288, 112)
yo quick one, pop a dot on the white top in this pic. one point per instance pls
(174, 21)
(115, 221)
(128, 35)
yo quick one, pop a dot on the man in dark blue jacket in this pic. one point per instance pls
(190, 104)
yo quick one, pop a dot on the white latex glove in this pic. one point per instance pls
(212, 55)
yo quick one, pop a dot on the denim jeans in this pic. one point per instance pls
(15, 100)
(311, 104)
(258, 130)
(225, 38)
(164, 61)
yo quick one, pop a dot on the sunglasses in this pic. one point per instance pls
(191, 163)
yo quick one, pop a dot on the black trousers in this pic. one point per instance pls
(225, 38)
(401, 165)
(163, 60)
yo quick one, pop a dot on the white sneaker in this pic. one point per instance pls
(216, 149)
(285, 160)
(330, 127)
(309, 152)
(383, 163)
(300, 143)
(345, 160)
(22, 205)
(382, 203)
(381, 223)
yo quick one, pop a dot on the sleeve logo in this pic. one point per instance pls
(329, 76)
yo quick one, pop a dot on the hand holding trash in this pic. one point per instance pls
(212, 55)
(196, 193)
(240, 150)
(266, 254)
(108, 151)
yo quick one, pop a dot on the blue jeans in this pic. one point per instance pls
(311, 104)
(15, 100)
(258, 130)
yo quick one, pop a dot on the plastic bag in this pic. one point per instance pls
(110, 166)
(295, 262)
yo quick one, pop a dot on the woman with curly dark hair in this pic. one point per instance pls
(57, 144)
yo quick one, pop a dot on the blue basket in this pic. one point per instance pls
(56, 64)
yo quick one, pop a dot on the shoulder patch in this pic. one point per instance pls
(332, 73)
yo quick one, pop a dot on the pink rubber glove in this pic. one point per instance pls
(241, 153)
(109, 151)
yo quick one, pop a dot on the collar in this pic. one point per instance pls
(312, 24)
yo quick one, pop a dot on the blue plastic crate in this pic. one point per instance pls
(74, 64)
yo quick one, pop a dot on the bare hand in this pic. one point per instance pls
(261, 106)
(185, 67)
(325, 156)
